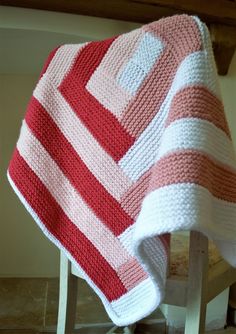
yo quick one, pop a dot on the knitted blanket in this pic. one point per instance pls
(124, 141)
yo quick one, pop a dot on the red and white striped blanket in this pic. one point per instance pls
(124, 141)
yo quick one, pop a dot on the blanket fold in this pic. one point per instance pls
(125, 141)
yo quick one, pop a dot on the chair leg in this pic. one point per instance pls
(129, 329)
(126, 330)
(67, 297)
(197, 284)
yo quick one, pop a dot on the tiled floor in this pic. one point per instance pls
(32, 303)
(22, 301)
(29, 306)
(227, 331)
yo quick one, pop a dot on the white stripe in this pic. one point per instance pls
(69, 200)
(152, 256)
(210, 64)
(148, 51)
(151, 251)
(227, 250)
(101, 164)
(62, 61)
(126, 238)
(186, 206)
(135, 71)
(139, 302)
(142, 154)
(197, 134)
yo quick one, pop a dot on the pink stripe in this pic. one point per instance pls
(189, 166)
(104, 169)
(88, 60)
(131, 274)
(103, 83)
(120, 51)
(106, 90)
(108, 131)
(180, 39)
(50, 136)
(180, 32)
(132, 199)
(132, 202)
(73, 205)
(62, 61)
(63, 230)
(48, 61)
(197, 102)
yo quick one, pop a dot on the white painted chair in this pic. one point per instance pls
(193, 292)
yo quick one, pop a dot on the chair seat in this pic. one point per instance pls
(179, 258)
(192, 290)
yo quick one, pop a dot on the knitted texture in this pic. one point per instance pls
(125, 141)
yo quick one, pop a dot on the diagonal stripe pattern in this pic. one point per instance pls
(124, 141)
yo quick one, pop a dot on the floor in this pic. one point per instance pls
(28, 303)
(5, 331)
(29, 306)
(227, 331)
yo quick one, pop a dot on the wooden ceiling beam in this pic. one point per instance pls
(219, 15)
(143, 11)
(224, 44)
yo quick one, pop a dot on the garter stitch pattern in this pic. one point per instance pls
(124, 141)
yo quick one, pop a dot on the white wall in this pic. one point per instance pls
(228, 89)
(26, 37)
(24, 251)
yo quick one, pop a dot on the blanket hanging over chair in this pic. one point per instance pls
(124, 141)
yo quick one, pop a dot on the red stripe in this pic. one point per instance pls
(58, 224)
(104, 205)
(165, 239)
(88, 60)
(100, 121)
